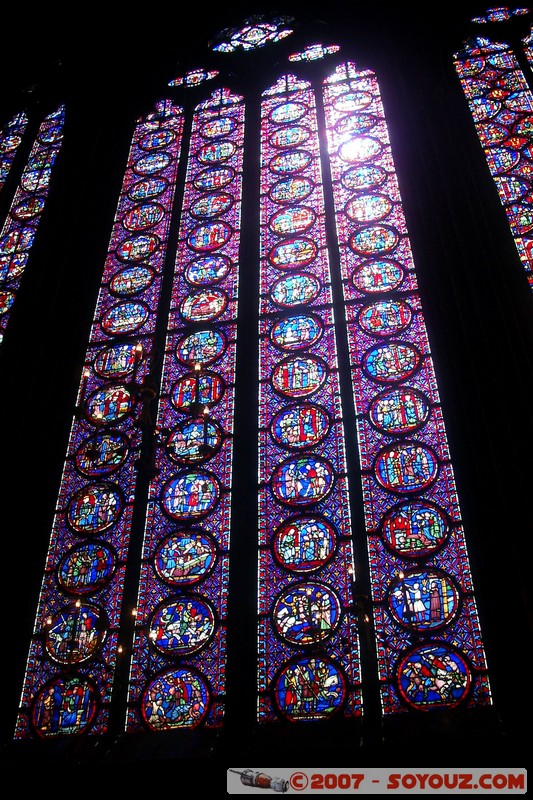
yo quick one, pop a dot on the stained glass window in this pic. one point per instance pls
(500, 14)
(430, 652)
(76, 642)
(314, 52)
(257, 32)
(501, 104)
(179, 657)
(146, 511)
(307, 638)
(10, 139)
(20, 226)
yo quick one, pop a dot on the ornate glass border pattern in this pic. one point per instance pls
(73, 652)
(501, 104)
(178, 668)
(430, 653)
(308, 657)
(20, 226)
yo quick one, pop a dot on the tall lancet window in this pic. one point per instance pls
(76, 640)
(501, 103)
(425, 614)
(179, 654)
(10, 139)
(20, 226)
(307, 639)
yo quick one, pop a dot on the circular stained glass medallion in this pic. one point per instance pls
(109, 404)
(131, 280)
(374, 240)
(289, 136)
(363, 177)
(94, 508)
(381, 275)
(102, 453)
(137, 248)
(216, 152)
(197, 390)
(304, 544)
(385, 317)
(183, 626)
(368, 208)
(391, 362)
(190, 495)
(399, 411)
(214, 178)
(152, 163)
(306, 613)
(296, 332)
(415, 529)
(154, 140)
(295, 289)
(76, 633)
(291, 220)
(124, 318)
(185, 558)
(293, 253)
(211, 205)
(302, 480)
(178, 698)
(65, 706)
(433, 676)
(406, 467)
(359, 149)
(148, 188)
(86, 568)
(310, 689)
(353, 101)
(291, 190)
(300, 426)
(289, 162)
(209, 236)
(218, 126)
(194, 441)
(207, 270)
(288, 112)
(143, 216)
(299, 376)
(116, 361)
(204, 305)
(29, 208)
(201, 347)
(423, 600)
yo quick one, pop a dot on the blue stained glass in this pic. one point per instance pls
(190, 495)
(297, 541)
(306, 613)
(311, 688)
(183, 626)
(500, 89)
(409, 495)
(86, 568)
(66, 706)
(434, 676)
(293, 333)
(28, 203)
(423, 600)
(303, 544)
(185, 558)
(186, 538)
(177, 699)
(91, 509)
